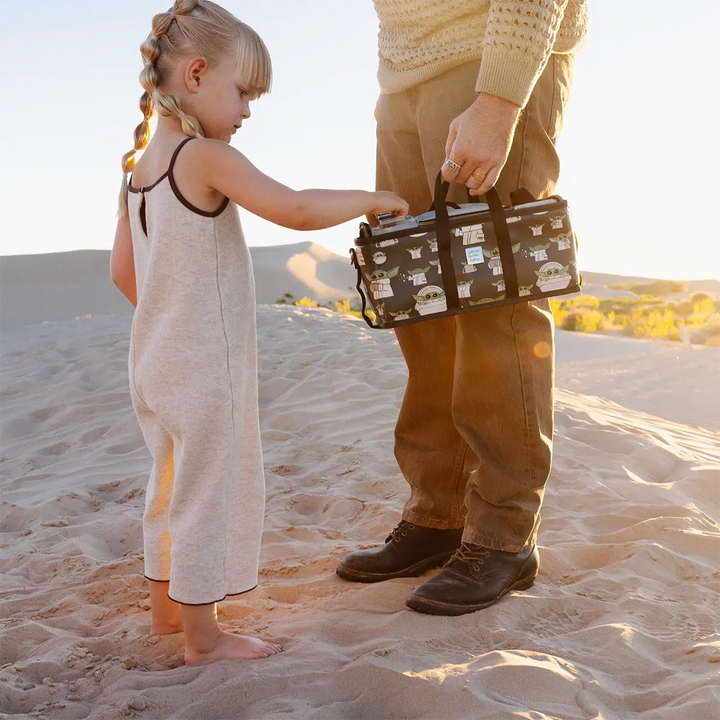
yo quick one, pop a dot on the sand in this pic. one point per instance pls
(622, 622)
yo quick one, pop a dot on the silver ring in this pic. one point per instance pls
(452, 165)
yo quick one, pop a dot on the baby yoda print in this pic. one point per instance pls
(380, 282)
(536, 229)
(360, 257)
(493, 256)
(379, 257)
(485, 301)
(556, 221)
(387, 243)
(471, 234)
(436, 264)
(524, 290)
(418, 275)
(431, 299)
(564, 241)
(433, 243)
(553, 276)
(415, 252)
(402, 314)
(380, 309)
(468, 267)
(464, 288)
(539, 252)
(500, 285)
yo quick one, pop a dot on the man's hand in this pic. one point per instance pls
(479, 142)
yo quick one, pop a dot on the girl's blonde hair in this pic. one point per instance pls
(193, 27)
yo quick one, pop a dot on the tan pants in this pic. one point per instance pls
(474, 435)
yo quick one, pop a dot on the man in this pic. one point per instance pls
(474, 87)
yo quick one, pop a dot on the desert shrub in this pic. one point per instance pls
(583, 321)
(342, 307)
(701, 296)
(654, 325)
(306, 302)
(655, 287)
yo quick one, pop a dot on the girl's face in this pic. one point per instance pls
(216, 99)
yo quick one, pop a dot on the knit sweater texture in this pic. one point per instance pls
(513, 39)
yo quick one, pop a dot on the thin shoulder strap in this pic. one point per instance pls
(176, 153)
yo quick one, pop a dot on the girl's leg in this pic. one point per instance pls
(166, 616)
(206, 642)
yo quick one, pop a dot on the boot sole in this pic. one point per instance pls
(437, 607)
(410, 571)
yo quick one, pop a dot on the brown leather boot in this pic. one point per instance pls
(475, 578)
(409, 551)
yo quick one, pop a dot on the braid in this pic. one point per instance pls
(184, 7)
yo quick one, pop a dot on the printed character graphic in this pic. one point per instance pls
(500, 285)
(387, 243)
(360, 257)
(381, 310)
(468, 267)
(401, 315)
(418, 275)
(432, 242)
(553, 276)
(539, 252)
(524, 290)
(493, 257)
(379, 257)
(536, 229)
(485, 301)
(514, 219)
(431, 299)
(464, 288)
(436, 265)
(471, 234)
(556, 221)
(564, 241)
(380, 282)
(415, 252)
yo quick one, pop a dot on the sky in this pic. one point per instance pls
(639, 146)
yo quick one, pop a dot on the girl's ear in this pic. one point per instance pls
(195, 73)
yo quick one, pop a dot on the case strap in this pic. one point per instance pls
(502, 235)
(442, 229)
(358, 286)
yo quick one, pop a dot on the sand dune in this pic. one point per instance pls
(622, 623)
(63, 286)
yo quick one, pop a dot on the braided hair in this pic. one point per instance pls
(191, 26)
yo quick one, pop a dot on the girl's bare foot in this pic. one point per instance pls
(161, 626)
(226, 646)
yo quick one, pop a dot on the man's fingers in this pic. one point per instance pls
(450, 169)
(488, 182)
(452, 134)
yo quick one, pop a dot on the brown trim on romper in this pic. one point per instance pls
(169, 174)
(213, 601)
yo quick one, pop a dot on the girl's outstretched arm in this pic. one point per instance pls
(122, 261)
(234, 176)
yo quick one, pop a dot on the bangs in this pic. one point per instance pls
(254, 67)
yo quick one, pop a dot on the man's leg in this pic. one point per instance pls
(503, 382)
(428, 448)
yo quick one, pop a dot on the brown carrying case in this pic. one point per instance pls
(461, 258)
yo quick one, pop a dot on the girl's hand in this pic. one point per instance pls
(384, 201)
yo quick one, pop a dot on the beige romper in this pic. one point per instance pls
(193, 382)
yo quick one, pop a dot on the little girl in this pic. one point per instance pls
(180, 257)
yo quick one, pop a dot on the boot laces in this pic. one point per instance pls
(400, 531)
(472, 555)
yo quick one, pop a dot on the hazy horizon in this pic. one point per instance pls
(635, 142)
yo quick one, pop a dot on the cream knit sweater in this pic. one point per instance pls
(420, 39)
